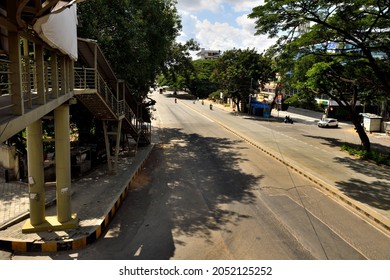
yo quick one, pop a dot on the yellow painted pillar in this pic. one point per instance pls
(63, 171)
(36, 173)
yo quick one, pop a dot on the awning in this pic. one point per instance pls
(59, 28)
(260, 105)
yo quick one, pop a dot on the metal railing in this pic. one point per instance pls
(84, 78)
(5, 85)
(89, 78)
(28, 82)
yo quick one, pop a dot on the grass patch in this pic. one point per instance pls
(373, 155)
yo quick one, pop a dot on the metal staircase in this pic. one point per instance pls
(96, 86)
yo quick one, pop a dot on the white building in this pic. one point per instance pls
(208, 54)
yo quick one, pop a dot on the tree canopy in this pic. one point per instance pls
(350, 40)
(178, 67)
(136, 36)
(240, 72)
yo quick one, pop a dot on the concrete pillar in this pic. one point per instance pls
(108, 148)
(36, 173)
(63, 171)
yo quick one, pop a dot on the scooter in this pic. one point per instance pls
(287, 119)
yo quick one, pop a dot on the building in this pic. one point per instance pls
(208, 54)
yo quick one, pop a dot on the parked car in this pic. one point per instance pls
(328, 122)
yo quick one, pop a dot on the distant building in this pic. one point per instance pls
(208, 54)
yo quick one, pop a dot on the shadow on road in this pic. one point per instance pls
(376, 193)
(186, 182)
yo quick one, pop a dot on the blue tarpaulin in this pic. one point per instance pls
(260, 105)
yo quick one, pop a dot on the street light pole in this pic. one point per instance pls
(249, 98)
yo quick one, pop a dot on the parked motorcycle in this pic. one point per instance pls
(287, 119)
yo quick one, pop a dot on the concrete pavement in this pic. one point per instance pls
(96, 197)
(361, 185)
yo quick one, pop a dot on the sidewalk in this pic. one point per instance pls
(95, 198)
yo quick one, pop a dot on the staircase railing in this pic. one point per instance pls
(132, 118)
(89, 78)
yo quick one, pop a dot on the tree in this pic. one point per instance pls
(200, 83)
(178, 66)
(135, 36)
(240, 72)
(195, 77)
(350, 37)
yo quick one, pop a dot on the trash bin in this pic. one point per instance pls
(372, 122)
(387, 128)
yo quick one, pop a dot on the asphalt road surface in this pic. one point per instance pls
(205, 193)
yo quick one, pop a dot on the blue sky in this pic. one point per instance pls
(221, 24)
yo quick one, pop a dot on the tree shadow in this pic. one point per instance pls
(327, 141)
(186, 184)
(375, 193)
(334, 142)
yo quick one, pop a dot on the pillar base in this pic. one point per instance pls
(51, 223)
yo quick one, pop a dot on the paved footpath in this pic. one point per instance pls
(95, 199)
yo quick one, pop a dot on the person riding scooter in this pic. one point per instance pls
(211, 106)
(287, 119)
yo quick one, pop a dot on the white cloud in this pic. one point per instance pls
(244, 6)
(217, 5)
(246, 23)
(215, 32)
(222, 36)
(199, 5)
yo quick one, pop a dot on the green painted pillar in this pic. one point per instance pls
(36, 173)
(63, 171)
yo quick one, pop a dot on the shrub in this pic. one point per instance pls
(376, 156)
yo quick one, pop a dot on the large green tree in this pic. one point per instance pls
(194, 76)
(136, 36)
(178, 67)
(352, 39)
(200, 83)
(240, 72)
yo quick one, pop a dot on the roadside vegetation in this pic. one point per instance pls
(373, 155)
(337, 49)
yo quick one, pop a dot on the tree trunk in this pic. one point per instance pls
(351, 109)
(237, 102)
(365, 141)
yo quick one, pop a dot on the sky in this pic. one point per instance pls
(221, 24)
